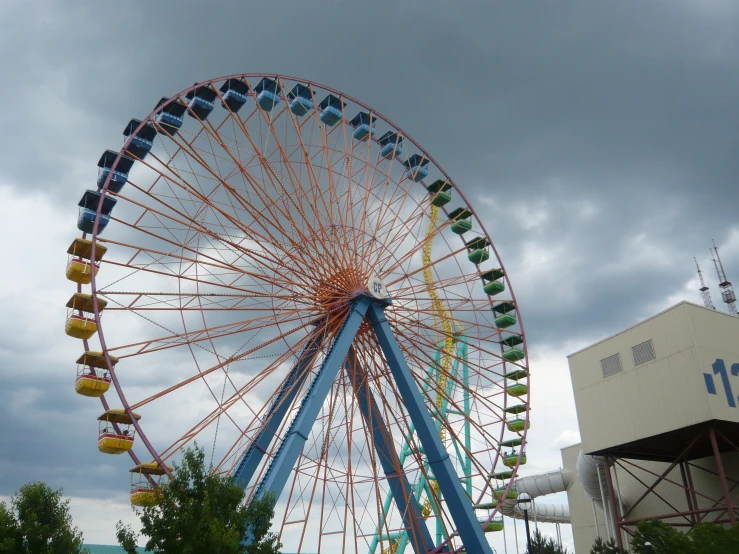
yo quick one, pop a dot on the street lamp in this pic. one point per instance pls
(648, 546)
(525, 502)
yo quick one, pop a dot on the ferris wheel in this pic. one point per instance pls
(273, 269)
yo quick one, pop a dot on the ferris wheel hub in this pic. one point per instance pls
(377, 288)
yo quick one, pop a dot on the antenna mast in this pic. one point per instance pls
(707, 302)
(727, 291)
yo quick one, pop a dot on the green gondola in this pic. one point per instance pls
(517, 424)
(460, 219)
(492, 282)
(477, 250)
(517, 390)
(495, 524)
(511, 459)
(505, 314)
(439, 191)
(499, 491)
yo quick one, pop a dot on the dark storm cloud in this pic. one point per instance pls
(597, 139)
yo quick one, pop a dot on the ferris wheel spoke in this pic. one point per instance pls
(274, 178)
(195, 336)
(293, 177)
(273, 220)
(445, 422)
(206, 301)
(263, 256)
(421, 338)
(229, 360)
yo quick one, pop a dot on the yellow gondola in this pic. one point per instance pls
(93, 378)
(115, 435)
(79, 266)
(80, 325)
(146, 480)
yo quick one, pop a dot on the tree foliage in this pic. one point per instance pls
(606, 547)
(704, 538)
(544, 545)
(199, 511)
(38, 522)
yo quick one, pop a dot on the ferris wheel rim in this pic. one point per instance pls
(94, 235)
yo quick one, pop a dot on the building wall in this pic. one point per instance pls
(661, 395)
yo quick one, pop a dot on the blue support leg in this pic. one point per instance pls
(283, 462)
(277, 411)
(405, 499)
(460, 505)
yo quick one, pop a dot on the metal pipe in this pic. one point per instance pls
(528, 534)
(620, 501)
(595, 518)
(612, 505)
(603, 503)
(505, 542)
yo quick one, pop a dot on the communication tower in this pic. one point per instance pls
(707, 302)
(727, 291)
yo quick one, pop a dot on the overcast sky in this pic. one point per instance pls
(598, 140)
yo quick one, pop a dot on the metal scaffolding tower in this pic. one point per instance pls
(727, 291)
(707, 302)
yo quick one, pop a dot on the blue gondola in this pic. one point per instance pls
(301, 99)
(234, 93)
(170, 118)
(142, 141)
(268, 94)
(120, 173)
(417, 169)
(331, 109)
(201, 101)
(364, 126)
(88, 211)
(392, 145)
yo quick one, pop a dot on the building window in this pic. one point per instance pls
(611, 365)
(643, 352)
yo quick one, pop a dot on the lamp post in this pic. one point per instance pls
(648, 546)
(525, 502)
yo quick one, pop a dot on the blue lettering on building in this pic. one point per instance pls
(719, 368)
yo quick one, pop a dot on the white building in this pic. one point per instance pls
(655, 404)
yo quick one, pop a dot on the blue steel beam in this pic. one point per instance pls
(277, 411)
(405, 499)
(459, 504)
(284, 460)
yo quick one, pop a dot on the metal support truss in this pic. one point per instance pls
(700, 506)
(277, 410)
(407, 503)
(283, 462)
(460, 506)
(286, 455)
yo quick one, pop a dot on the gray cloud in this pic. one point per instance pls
(598, 140)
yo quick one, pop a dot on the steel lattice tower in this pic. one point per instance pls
(727, 291)
(707, 302)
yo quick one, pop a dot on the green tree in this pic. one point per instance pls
(606, 547)
(664, 539)
(710, 538)
(38, 522)
(199, 511)
(544, 545)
